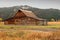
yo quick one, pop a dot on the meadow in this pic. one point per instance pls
(19, 32)
(54, 25)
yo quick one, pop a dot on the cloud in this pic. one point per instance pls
(34, 3)
(13, 0)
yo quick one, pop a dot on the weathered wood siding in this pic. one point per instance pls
(24, 21)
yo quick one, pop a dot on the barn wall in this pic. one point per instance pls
(9, 21)
(24, 21)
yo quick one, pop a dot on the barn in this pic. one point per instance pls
(25, 17)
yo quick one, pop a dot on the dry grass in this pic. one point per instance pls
(53, 23)
(30, 35)
(1, 23)
(17, 34)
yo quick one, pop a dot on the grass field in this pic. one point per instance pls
(50, 25)
(29, 35)
(17, 32)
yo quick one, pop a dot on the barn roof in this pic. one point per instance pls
(27, 13)
(31, 14)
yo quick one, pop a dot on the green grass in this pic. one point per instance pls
(28, 27)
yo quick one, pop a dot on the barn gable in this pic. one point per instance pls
(19, 14)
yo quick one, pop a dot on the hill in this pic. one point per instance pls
(48, 14)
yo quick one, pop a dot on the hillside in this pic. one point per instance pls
(48, 14)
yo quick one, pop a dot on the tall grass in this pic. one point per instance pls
(16, 34)
(30, 35)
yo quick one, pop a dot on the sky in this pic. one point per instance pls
(43, 4)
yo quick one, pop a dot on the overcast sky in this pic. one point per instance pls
(34, 3)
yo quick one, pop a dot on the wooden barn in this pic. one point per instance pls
(24, 17)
